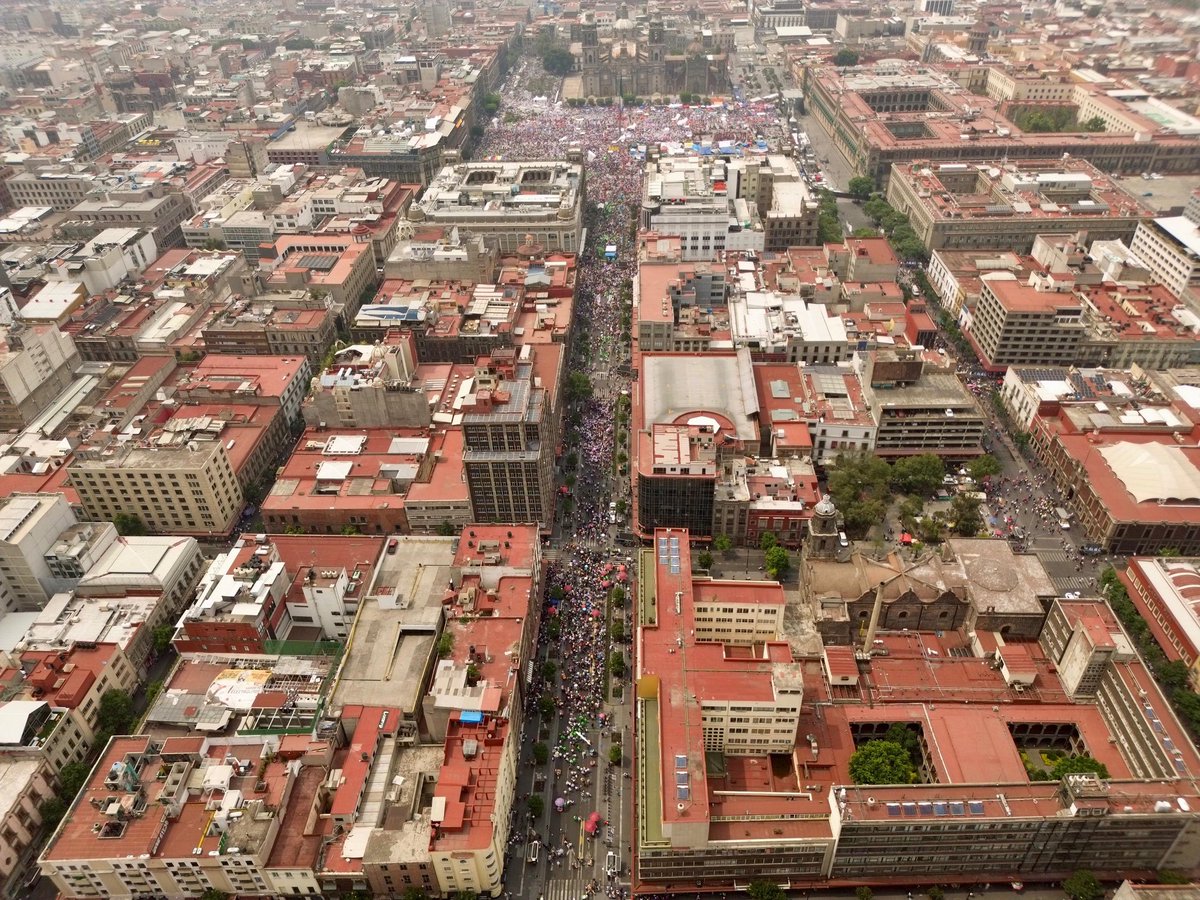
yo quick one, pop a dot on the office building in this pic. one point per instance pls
(510, 429)
(1004, 206)
(509, 204)
(1025, 324)
(920, 406)
(36, 363)
(1170, 249)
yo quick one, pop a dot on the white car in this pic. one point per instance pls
(533, 851)
(612, 865)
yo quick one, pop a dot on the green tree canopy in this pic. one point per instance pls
(1094, 125)
(129, 525)
(777, 562)
(72, 778)
(1074, 765)
(704, 559)
(541, 753)
(765, 890)
(115, 713)
(615, 754)
(964, 510)
(882, 762)
(536, 805)
(920, 474)
(722, 543)
(558, 61)
(983, 467)
(299, 43)
(767, 540)
(579, 387)
(1083, 885)
(861, 187)
(845, 58)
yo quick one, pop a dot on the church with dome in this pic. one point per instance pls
(633, 61)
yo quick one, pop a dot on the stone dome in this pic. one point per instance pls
(825, 508)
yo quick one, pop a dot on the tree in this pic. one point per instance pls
(446, 528)
(558, 61)
(862, 892)
(704, 559)
(722, 543)
(882, 762)
(115, 713)
(964, 510)
(491, 103)
(909, 509)
(129, 525)
(153, 689)
(445, 645)
(935, 893)
(1074, 765)
(617, 630)
(1172, 675)
(861, 187)
(52, 810)
(536, 805)
(541, 753)
(616, 663)
(579, 387)
(414, 893)
(299, 43)
(765, 890)
(546, 706)
(1083, 885)
(777, 562)
(983, 467)
(71, 778)
(615, 754)
(350, 531)
(845, 58)
(549, 670)
(767, 540)
(920, 475)
(1095, 125)
(901, 734)
(162, 635)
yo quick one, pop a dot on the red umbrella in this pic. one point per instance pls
(606, 583)
(622, 577)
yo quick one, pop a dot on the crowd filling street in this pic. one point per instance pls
(613, 143)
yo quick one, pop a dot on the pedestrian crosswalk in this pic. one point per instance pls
(565, 888)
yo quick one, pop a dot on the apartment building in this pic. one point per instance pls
(285, 587)
(505, 202)
(1170, 249)
(920, 407)
(36, 363)
(30, 526)
(141, 824)
(370, 386)
(179, 490)
(510, 431)
(154, 207)
(59, 190)
(694, 634)
(28, 784)
(1025, 324)
(257, 380)
(274, 324)
(341, 269)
